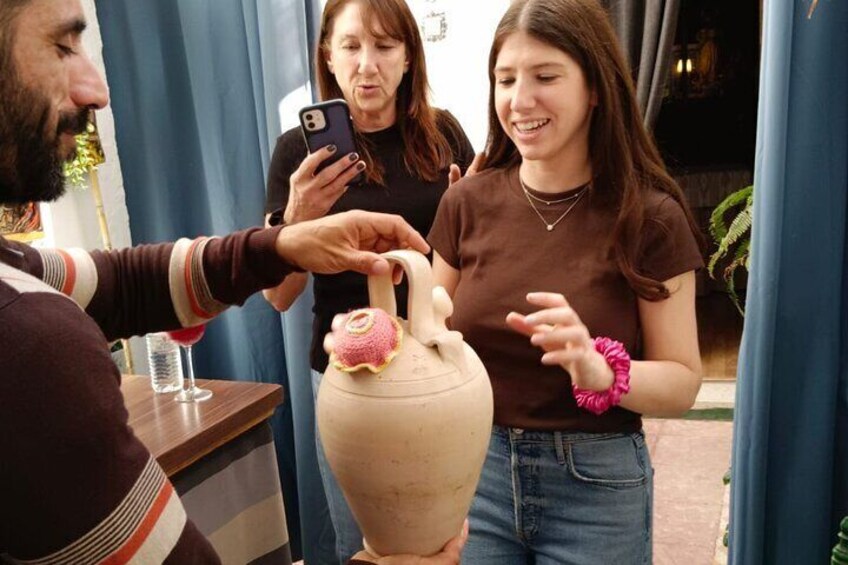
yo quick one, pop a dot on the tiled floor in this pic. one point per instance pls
(689, 458)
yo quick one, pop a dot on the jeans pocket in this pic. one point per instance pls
(611, 460)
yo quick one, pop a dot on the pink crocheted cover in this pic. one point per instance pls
(368, 339)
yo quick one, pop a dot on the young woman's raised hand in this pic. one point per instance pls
(557, 329)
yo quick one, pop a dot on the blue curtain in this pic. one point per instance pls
(791, 423)
(195, 87)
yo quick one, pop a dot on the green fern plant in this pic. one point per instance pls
(733, 238)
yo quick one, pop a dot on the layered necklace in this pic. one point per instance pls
(548, 225)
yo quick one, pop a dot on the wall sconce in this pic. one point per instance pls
(434, 24)
(679, 67)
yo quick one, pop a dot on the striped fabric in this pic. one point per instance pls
(22, 282)
(144, 528)
(72, 272)
(192, 299)
(234, 498)
(135, 515)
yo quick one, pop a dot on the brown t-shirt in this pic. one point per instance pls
(486, 228)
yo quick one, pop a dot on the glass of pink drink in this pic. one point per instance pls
(185, 338)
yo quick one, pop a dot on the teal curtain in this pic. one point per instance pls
(195, 87)
(790, 464)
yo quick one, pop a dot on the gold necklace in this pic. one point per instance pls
(550, 227)
(549, 202)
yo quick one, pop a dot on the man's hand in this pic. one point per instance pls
(450, 554)
(350, 241)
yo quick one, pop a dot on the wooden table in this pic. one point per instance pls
(220, 456)
(180, 433)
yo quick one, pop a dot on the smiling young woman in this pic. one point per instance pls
(572, 215)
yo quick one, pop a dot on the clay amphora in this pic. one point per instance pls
(407, 444)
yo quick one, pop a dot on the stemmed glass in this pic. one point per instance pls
(185, 338)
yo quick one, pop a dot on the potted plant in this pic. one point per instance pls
(730, 227)
(89, 156)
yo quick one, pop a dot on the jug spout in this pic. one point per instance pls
(449, 343)
(451, 349)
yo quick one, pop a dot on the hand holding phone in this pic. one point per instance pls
(332, 165)
(328, 123)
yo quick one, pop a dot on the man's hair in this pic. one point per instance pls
(9, 10)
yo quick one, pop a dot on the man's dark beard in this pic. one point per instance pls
(30, 161)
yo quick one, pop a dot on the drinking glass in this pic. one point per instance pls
(185, 338)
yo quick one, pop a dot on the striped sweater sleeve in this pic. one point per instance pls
(76, 485)
(155, 287)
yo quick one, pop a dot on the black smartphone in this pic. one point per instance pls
(329, 123)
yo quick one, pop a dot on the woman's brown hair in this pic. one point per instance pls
(625, 160)
(426, 151)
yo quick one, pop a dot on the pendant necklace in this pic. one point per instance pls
(550, 226)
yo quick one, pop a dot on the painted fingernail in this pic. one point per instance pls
(353, 156)
(360, 166)
(331, 148)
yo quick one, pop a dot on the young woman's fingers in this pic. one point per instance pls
(575, 336)
(562, 356)
(562, 315)
(517, 322)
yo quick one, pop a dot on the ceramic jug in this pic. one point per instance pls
(407, 443)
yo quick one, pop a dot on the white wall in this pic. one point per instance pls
(457, 66)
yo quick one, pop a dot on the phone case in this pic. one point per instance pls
(338, 131)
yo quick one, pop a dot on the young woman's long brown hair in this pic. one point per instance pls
(426, 151)
(625, 161)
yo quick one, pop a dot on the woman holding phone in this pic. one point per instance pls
(370, 54)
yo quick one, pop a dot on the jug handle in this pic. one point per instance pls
(381, 292)
(427, 307)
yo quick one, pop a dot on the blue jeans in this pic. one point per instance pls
(348, 535)
(564, 498)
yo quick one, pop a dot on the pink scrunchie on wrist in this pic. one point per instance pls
(618, 359)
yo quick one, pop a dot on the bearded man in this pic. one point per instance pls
(76, 485)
